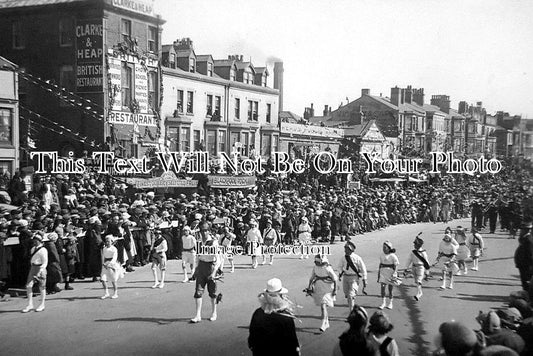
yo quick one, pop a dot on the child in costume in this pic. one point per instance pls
(418, 261)
(387, 274)
(323, 287)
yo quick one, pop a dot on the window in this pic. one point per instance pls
(222, 141)
(232, 75)
(6, 124)
(209, 105)
(66, 80)
(152, 83)
(127, 85)
(211, 142)
(190, 103)
(268, 113)
(180, 101)
(252, 141)
(196, 137)
(152, 39)
(275, 143)
(192, 68)
(126, 30)
(256, 109)
(245, 146)
(237, 109)
(184, 139)
(250, 110)
(266, 145)
(217, 106)
(66, 32)
(19, 36)
(172, 60)
(66, 77)
(209, 69)
(234, 138)
(172, 136)
(5, 167)
(264, 80)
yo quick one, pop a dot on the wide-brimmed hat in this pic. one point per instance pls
(388, 244)
(274, 286)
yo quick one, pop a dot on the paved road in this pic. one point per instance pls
(147, 321)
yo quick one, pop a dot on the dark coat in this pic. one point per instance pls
(272, 334)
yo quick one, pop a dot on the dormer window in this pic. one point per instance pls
(264, 81)
(192, 65)
(232, 75)
(172, 60)
(209, 69)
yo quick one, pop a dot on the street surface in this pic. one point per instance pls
(155, 321)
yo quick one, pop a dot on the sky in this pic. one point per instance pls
(470, 50)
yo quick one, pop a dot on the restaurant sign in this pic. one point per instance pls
(89, 56)
(166, 180)
(237, 182)
(129, 118)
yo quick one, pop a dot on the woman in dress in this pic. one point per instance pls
(323, 284)
(111, 270)
(159, 258)
(463, 252)
(254, 241)
(304, 235)
(387, 274)
(476, 248)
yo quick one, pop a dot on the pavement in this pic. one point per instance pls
(155, 321)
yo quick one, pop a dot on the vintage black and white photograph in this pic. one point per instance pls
(263, 178)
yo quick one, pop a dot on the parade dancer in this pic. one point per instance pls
(353, 269)
(270, 238)
(476, 248)
(39, 262)
(323, 287)
(159, 258)
(447, 259)
(463, 252)
(209, 263)
(226, 241)
(418, 260)
(111, 269)
(189, 253)
(254, 241)
(304, 235)
(387, 274)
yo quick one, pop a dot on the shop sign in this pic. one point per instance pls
(89, 56)
(238, 182)
(138, 6)
(167, 180)
(129, 118)
(309, 130)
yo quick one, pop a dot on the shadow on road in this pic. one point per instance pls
(417, 326)
(479, 298)
(160, 321)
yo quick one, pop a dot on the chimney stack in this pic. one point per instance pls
(408, 94)
(418, 96)
(395, 96)
(442, 101)
(365, 92)
(325, 112)
(278, 82)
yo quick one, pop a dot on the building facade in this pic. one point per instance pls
(217, 105)
(9, 119)
(92, 72)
